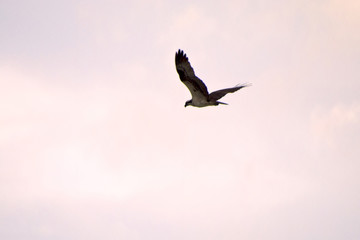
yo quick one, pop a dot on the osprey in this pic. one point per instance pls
(198, 90)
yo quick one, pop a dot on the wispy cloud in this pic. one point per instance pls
(95, 141)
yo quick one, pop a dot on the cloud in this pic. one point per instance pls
(95, 141)
(330, 125)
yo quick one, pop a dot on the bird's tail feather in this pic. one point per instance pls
(221, 103)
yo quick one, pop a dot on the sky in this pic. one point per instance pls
(95, 142)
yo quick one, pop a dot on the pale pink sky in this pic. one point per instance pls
(95, 142)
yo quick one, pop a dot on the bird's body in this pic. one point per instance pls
(202, 102)
(198, 90)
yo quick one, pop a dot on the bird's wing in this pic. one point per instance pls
(222, 92)
(187, 75)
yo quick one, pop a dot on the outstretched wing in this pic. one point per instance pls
(187, 76)
(220, 93)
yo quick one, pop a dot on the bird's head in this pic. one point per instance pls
(188, 103)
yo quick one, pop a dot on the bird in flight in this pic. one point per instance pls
(197, 88)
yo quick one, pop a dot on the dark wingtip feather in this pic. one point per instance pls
(180, 56)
